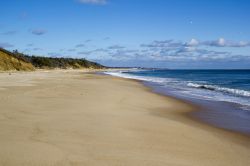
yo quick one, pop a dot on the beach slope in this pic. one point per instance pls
(75, 118)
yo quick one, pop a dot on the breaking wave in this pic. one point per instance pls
(236, 92)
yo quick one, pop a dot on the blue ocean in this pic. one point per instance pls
(228, 91)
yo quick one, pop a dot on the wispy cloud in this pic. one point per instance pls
(30, 44)
(54, 54)
(93, 2)
(171, 50)
(38, 31)
(71, 50)
(106, 38)
(37, 49)
(163, 44)
(88, 40)
(99, 50)
(8, 33)
(5, 45)
(221, 42)
(85, 52)
(161, 51)
(23, 15)
(115, 47)
(80, 45)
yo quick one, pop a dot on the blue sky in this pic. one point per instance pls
(146, 33)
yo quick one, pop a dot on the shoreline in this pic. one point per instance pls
(202, 110)
(220, 114)
(190, 112)
(82, 118)
(194, 107)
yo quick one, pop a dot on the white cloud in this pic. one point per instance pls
(178, 50)
(187, 49)
(193, 42)
(221, 42)
(94, 2)
(241, 44)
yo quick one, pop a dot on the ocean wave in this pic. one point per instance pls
(141, 78)
(182, 88)
(237, 92)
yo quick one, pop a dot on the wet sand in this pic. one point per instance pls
(76, 118)
(224, 115)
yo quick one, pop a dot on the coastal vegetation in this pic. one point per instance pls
(21, 62)
(10, 61)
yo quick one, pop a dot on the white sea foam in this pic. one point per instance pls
(142, 78)
(237, 92)
(199, 90)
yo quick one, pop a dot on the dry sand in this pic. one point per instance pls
(72, 118)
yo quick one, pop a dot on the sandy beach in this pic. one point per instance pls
(76, 118)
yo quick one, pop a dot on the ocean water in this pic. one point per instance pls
(226, 91)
